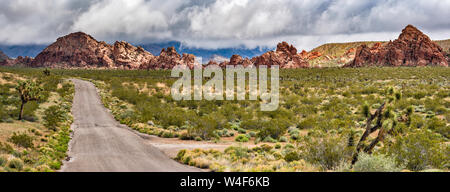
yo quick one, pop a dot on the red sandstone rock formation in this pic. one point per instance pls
(309, 55)
(79, 50)
(412, 48)
(169, 58)
(128, 56)
(285, 56)
(19, 61)
(76, 50)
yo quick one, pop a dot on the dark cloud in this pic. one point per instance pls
(221, 23)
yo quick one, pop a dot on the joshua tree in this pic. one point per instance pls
(28, 91)
(386, 121)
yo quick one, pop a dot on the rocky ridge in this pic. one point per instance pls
(412, 48)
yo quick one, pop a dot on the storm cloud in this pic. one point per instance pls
(221, 23)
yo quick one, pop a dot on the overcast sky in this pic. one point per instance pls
(221, 23)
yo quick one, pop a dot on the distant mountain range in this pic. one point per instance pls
(15, 51)
(206, 54)
(411, 49)
(3, 57)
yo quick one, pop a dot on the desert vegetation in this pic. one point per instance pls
(327, 120)
(334, 119)
(34, 120)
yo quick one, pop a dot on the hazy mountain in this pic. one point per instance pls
(3, 56)
(155, 48)
(14, 51)
(206, 54)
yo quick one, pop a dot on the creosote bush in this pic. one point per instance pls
(420, 150)
(53, 116)
(242, 138)
(22, 140)
(327, 152)
(16, 164)
(376, 163)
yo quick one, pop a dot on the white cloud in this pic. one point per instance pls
(222, 23)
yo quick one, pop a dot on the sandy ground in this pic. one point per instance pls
(101, 144)
(172, 146)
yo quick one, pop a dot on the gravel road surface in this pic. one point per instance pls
(101, 144)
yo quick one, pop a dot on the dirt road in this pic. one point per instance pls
(101, 144)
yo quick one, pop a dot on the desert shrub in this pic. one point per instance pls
(6, 148)
(327, 152)
(3, 160)
(242, 131)
(398, 95)
(419, 150)
(420, 95)
(283, 139)
(15, 164)
(274, 128)
(21, 140)
(241, 138)
(269, 139)
(278, 146)
(53, 116)
(180, 154)
(417, 121)
(439, 126)
(376, 163)
(291, 156)
(366, 110)
(237, 153)
(186, 136)
(198, 138)
(204, 127)
(308, 123)
(167, 134)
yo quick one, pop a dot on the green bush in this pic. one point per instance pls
(180, 154)
(366, 110)
(376, 163)
(204, 127)
(198, 139)
(439, 126)
(53, 116)
(278, 146)
(237, 153)
(241, 138)
(242, 131)
(186, 136)
(15, 164)
(327, 152)
(273, 129)
(269, 139)
(283, 139)
(291, 156)
(3, 160)
(22, 140)
(419, 150)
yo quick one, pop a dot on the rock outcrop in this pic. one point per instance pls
(3, 57)
(169, 58)
(19, 61)
(412, 48)
(285, 56)
(310, 55)
(76, 50)
(79, 50)
(128, 56)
